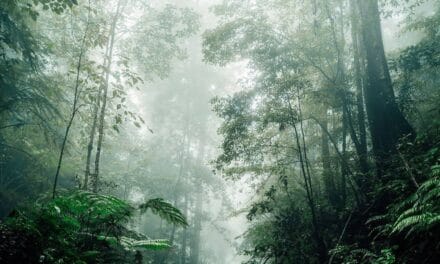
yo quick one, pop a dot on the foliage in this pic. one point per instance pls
(165, 210)
(351, 255)
(329, 183)
(298, 120)
(76, 227)
(289, 230)
(135, 244)
(423, 212)
(169, 26)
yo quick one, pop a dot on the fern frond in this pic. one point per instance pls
(377, 218)
(155, 244)
(424, 212)
(431, 183)
(131, 244)
(164, 210)
(420, 221)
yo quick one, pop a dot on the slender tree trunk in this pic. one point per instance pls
(63, 146)
(75, 109)
(185, 233)
(195, 238)
(359, 81)
(305, 172)
(182, 167)
(195, 241)
(344, 168)
(91, 141)
(356, 193)
(386, 121)
(94, 123)
(104, 97)
(327, 174)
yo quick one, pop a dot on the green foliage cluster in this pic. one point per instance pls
(299, 131)
(78, 227)
(313, 129)
(351, 255)
(59, 61)
(422, 212)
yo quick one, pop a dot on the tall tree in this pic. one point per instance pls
(75, 104)
(386, 122)
(360, 83)
(103, 110)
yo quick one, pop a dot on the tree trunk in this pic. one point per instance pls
(91, 141)
(182, 168)
(104, 98)
(329, 183)
(387, 123)
(359, 79)
(195, 238)
(75, 109)
(185, 233)
(305, 172)
(94, 123)
(344, 168)
(195, 241)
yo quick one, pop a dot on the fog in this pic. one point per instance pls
(219, 131)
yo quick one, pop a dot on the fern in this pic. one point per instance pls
(131, 244)
(377, 218)
(424, 211)
(83, 218)
(165, 210)
(152, 244)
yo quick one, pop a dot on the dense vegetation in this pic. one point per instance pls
(343, 142)
(109, 112)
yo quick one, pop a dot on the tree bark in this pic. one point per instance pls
(91, 141)
(359, 79)
(386, 121)
(344, 168)
(94, 123)
(327, 174)
(104, 98)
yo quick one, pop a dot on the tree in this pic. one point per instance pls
(386, 121)
(75, 105)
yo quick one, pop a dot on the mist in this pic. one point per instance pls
(219, 131)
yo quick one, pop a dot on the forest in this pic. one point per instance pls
(220, 131)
